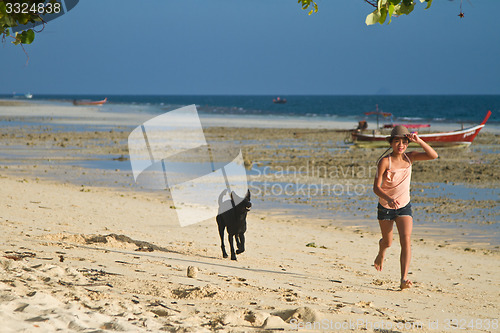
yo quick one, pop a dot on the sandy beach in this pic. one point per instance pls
(85, 249)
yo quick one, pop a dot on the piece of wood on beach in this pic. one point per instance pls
(16, 256)
(158, 303)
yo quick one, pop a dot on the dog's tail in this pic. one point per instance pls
(221, 197)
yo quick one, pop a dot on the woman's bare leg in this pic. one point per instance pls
(405, 227)
(384, 243)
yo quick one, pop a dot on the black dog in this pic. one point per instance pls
(233, 216)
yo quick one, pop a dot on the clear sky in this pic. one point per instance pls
(258, 47)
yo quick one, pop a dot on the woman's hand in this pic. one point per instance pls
(393, 204)
(429, 154)
(413, 137)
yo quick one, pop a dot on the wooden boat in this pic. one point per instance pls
(458, 138)
(279, 100)
(89, 102)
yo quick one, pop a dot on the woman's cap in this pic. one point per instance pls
(398, 132)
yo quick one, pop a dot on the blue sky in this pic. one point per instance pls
(258, 47)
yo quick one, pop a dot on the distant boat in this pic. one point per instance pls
(279, 100)
(27, 95)
(458, 138)
(89, 102)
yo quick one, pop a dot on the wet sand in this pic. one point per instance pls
(318, 171)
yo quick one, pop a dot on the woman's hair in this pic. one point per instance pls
(383, 155)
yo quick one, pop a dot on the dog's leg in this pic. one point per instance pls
(238, 243)
(231, 245)
(241, 243)
(222, 226)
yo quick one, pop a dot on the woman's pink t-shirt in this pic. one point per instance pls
(396, 183)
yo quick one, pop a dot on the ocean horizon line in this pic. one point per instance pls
(11, 94)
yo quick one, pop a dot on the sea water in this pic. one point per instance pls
(404, 108)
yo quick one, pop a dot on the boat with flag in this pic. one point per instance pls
(458, 138)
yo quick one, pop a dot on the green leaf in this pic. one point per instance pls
(373, 18)
(381, 3)
(383, 15)
(429, 3)
(403, 9)
(391, 11)
(23, 19)
(17, 39)
(27, 36)
(9, 21)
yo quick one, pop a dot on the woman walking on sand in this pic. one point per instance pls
(392, 186)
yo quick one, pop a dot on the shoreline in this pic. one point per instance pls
(131, 115)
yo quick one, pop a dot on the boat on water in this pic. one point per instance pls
(26, 95)
(89, 102)
(279, 100)
(458, 138)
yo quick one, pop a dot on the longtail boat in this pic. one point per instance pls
(458, 138)
(89, 102)
(279, 100)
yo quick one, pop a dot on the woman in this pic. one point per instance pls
(392, 186)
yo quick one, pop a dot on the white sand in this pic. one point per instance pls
(43, 222)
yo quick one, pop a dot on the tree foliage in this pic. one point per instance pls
(16, 13)
(309, 3)
(389, 8)
(383, 9)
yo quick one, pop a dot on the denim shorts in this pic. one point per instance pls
(391, 214)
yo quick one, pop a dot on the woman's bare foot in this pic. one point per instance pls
(405, 284)
(379, 261)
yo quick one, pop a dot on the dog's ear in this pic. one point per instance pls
(248, 195)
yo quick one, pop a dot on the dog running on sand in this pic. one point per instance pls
(233, 217)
